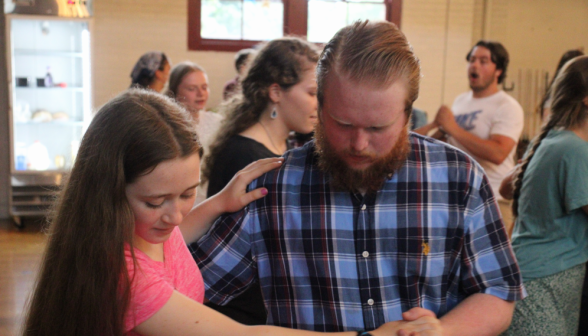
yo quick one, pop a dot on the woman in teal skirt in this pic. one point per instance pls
(550, 200)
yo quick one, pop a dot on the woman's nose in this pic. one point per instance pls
(173, 215)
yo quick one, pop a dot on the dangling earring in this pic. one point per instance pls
(274, 114)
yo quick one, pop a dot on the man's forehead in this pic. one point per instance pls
(481, 52)
(355, 103)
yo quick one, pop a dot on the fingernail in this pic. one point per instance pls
(264, 191)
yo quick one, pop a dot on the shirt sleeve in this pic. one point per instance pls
(149, 292)
(508, 120)
(488, 262)
(224, 257)
(575, 172)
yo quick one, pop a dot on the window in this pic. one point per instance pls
(231, 25)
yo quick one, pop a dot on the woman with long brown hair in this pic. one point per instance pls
(278, 96)
(550, 202)
(115, 261)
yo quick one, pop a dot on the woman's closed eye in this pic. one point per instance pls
(188, 196)
(154, 206)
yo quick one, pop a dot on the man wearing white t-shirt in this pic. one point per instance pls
(485, 122)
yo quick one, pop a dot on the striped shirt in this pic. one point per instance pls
(333, 261)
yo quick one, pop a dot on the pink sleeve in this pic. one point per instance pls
(149, 292)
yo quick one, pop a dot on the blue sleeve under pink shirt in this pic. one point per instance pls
(155, 281)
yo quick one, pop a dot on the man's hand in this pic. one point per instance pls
(423, 326)
(445, 119)
(430, 325)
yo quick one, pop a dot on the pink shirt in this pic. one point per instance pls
(155, 282)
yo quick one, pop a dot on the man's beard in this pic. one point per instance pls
(482, 86)
(370, 179)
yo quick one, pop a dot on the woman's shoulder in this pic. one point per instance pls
(241, 145)
(566, 142)
(211, 116)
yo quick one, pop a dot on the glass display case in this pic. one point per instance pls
(49, 74)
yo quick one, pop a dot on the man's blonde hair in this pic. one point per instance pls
(374, 53)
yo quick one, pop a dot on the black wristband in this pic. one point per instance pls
(363, 333)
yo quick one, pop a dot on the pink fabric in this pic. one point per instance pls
(155, 281)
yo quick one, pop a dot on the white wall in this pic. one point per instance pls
(125, 29)
(441, 33)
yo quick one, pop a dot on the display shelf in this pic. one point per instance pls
(33, 52)
(38, 46)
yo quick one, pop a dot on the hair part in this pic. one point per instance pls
(177, 75)
(83, 287)
(373, 53)
(570, 88)
(498, 56)
(241, 58)
(281, 61)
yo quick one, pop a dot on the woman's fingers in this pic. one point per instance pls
(263, 164)
(258, 168)
(254, 195)
(234, 194)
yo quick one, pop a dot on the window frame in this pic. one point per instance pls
(295, 23)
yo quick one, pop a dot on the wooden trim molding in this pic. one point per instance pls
(295, 23)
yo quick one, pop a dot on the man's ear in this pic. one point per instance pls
(498, 73)
(275, 93)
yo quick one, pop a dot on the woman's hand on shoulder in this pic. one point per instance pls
(231, 199)
(234, 196)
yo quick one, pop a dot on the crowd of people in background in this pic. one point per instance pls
(304, 201)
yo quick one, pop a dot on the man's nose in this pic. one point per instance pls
(359, 140)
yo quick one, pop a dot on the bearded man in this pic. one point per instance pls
(369, 223)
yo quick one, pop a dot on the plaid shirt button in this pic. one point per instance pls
(371, 302)
(365, 254)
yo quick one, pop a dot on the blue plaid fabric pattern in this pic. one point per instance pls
(333, 261)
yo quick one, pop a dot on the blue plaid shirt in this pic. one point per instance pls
(334, 261)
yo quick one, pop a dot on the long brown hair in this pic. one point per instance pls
(83, 284)
(281, 61)
(570, 88)
(568, 55)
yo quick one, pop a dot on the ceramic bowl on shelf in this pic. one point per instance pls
(42, 116)
(60, 116)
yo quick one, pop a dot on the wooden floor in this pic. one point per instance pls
(20, 254)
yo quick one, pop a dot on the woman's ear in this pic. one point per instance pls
(275, 93)
(585, 101)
